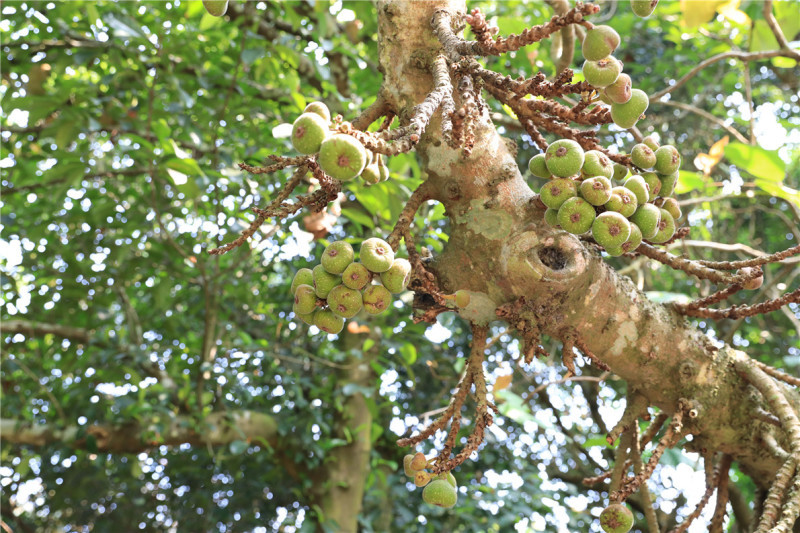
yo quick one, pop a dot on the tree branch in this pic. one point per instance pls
(217, 429)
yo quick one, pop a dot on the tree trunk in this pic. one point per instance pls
(500, 249)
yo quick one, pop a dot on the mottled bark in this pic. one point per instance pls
(500, 249)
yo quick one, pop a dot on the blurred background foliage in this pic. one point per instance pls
(122, 125)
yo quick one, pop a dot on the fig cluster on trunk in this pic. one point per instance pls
(340, 287)
(588, 194)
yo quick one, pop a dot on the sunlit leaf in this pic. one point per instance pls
(761, 163)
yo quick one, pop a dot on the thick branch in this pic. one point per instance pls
(217, 429)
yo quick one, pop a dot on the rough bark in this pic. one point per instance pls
(500, 249)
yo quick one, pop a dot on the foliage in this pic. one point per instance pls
(122, 127)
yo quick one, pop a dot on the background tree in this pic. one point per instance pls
(146, 382)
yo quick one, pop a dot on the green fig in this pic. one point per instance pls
(216, 8)
(668, 183)
(666, 228)
(623, 201)
(597, 190)
(356, 276)
(557, 191)
(643, 156)
(324, 281)
(653, 183)
(396, 278)
(305, 300)
(320, 109)
(616, 518)
(376, 299)
(620, 171)
(602, 73)
(576, 215)
(596, 163)
(600, 42)
(303, 276)
(564, 158)
(668, 160)
(551, 217)
(643, 8)
(639, 187)
(344, 301)
(328, 322)
(647, 217)
(308, 133)
(440, 493)
(376, 255)
(538, 167)
(619, 92)
(337, 256)
(627, 115)
(610, 229)
(342, 156)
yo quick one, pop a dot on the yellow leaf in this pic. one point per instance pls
(697, 12)
(718, 148)
(730, 10)
(502, 382)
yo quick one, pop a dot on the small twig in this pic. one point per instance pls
(744, 310)
(635, 408)
(777, 490)
(376, 110)
(406, 218)
(777, 374)
(756, 261)
(721, 509)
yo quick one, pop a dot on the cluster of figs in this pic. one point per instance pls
(440, 489)
(339, 287)
(341, 156)
(586, 192)
(604, 72)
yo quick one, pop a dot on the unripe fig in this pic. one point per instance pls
(216, 8)
(328, 322)
(653, 183)
(753, 283)
(308, 319)
(450, 478)
(376, 299)
(344, 301)
(639, 187)
(356, 276)
(596, 191)
(602, 73)
(324, 281)
(422, 478)
(627, 115)
(308, 133)
(666, 228)
(633, 241)
(564, 158)
(619, 92)
(303, 276)
(643, 156)
(610, 229)
(551, 217)
(557, 191)
(376, 255)
(337, 256)
(616, 518)
(342, 157)
(320, 109)
(462, 298)
(600, 42)
(623, 201)
(643, 8)
(383, 170)
(371, 174)
(647, 217)
(305, 300)
(409, 472)
(668, 182)
(576, 215)
(668, 160)
(620, 171)
(651, 142)
(396, 278)
(604, 97)
(596, 163)
(671, 205)
(419, 462)
(440, 493)
(538, 167)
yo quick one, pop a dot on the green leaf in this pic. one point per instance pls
(358, 216)
(409, 353)
(689, 181)
(761, 163)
